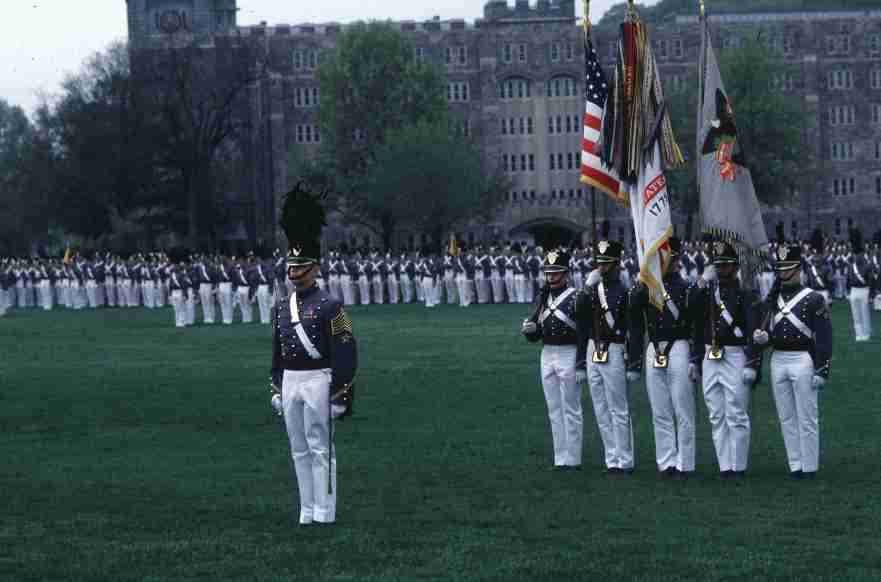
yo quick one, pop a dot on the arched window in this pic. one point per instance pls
(562, 86)
(515, 88)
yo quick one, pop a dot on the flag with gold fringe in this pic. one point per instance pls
(729, 209)
(638, 145)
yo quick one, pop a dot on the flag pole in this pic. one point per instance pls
(593, 191)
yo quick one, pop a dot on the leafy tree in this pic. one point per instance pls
(17, 141)
(370, 86)
(428, 177)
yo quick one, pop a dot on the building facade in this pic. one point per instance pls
(514, 82)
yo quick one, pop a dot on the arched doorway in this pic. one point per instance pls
(549, 232)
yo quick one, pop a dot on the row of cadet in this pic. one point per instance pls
(497, 274)
(712, 333)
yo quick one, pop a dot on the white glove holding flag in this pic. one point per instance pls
(817, 382)
(749, 376)
(760, 337)
(528, 327)
(276, 403)
(593, 279)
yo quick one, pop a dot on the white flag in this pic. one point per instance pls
(650, 208)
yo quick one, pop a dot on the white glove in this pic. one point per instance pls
(760, 337)
(580, 377)
(817, 382)
(709, 273)
(694, 373)
(337, 410)
(528, 327)
(276, 403)
(594, 278)
(632, 376)
(749, 376)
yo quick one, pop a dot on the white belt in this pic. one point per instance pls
(610, 319)
(552, 309)
(301, 333)
(726, 315)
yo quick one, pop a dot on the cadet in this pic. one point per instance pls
(671, 392)
(602, 331)
(723, 320)
(858, 275)
(554, 323)
(800, 332)
(314, 359)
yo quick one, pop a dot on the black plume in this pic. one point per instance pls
(856, 240)
(302, 216)
(817, 240)
(604, 230)
(781, 234)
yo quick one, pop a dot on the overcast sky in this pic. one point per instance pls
(43, 40)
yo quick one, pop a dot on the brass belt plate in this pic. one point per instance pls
(660, 361)
(716, 353)
(600, 356)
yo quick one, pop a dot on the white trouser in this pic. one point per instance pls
(577, 281)
(428, 292)
(465, 289)
(4, 294)
(92, 293)
(417, 283)
(264, 301)
(110, 292)
(406, 288)
(859, 309)
(528, 288)
(321, 283)
(191, 306)
(392, 284)
(45, 291)
(563, 397)
(727, 399)
(509, 286)
(180, 308)
(305, 395)
(20, 296)
(245, 304)
(877, 302)
(78, 294)
(520, 287)
(224, 297)
(364, 289)
(840, 284)
(206, 294)
(333, 282)
(796, 400)
(377, 289)
(608, 391)
(347, 289)
(99, 295)
(158, 293)
(450, 286)
(482, 285)
(437, 286)
(148, 289)
(498, 287)
(671, 395)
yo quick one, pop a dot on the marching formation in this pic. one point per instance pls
(710, 330)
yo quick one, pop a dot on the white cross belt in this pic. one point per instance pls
(552, 309)
(301, 333)
(786, 312)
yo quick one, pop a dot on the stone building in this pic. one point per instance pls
(515, 83)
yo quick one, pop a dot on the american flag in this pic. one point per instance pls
(593, 171)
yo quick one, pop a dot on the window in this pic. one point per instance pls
(504, 121)
(875, 79)
(507, 51)
(843, 186)
(837, 226)
(522, 125)
(531, 162)
(521, 52)
(841, 115)
(419, 54)
(569, 161)
(562, 87)
(448, 55)
(515, 88)
(661, 49)
(529, 125)
(308, 134)
(570, 52)
(788, 44)
(522, 162)
(312, 60)
(298, 60)
(463, 55)
(559, 161)
(553, 165)
(878, 150)
(840, 79)
(568, 124)
(838, 44)
(555, 52)
(505, 162)
(784, 82)
(873, 43)
(551, 125)
(876, 113)
(677, 48)
(878, 186)
(841, 151)
(457, 92)
(306, 97)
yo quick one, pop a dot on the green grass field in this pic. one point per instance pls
(132, 450)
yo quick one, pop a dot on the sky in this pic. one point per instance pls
(42, 41)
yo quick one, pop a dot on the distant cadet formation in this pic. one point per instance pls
(711, 330)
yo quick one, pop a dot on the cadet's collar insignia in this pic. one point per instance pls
(603, 246)
(296, 251)
(782, 253)
(719, 247)
(552, 257)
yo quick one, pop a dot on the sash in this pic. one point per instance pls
(260, 272)
(786, 312)
(817, 277)
(552, 309)
(671, 305)
(301, 333)
(610, 319)
(726, 315)
(856, 273)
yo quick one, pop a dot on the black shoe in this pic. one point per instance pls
(572, 467)
(669, 472)
(626, 471)
(612, 470)
(809, 474)
(727, 474)
(738, 474)
(796, 474)
(684, 475)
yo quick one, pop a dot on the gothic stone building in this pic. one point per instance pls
(514, 80)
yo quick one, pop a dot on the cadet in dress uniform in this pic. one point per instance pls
(816, 274)
(602, 335)
(859, 277)
(554, 323)
(177, 285)
(365, 271)
(224, 289)
(392, 267)
(800, 332)
(482, 274)
(497, 277)
(449, 281)
(314, 359)
(724, 317)
(670, 390)
(408, 272)
(261, 276)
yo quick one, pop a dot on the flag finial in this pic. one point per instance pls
(702, 9)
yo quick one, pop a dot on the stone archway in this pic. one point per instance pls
(549, 232)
